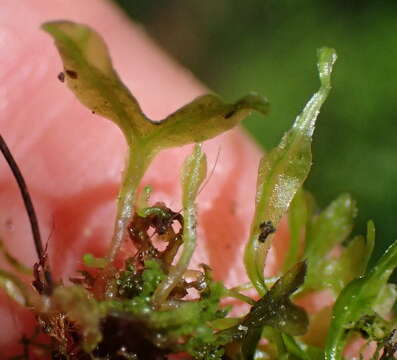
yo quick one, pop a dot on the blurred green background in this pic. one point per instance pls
(269, 46)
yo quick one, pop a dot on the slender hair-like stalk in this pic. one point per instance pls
(27, 200)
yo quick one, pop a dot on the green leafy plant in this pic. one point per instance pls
(154, 306)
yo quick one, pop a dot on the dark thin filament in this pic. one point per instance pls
(28, 205)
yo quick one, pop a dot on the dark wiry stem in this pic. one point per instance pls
(28, 206)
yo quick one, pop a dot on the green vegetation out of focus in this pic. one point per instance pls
(235, 46)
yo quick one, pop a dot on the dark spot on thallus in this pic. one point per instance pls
(61, 77)
(229, 114)
(266, 228)
(71, 73)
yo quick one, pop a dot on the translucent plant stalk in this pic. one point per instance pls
(137, 163)
(193, 175)
(282, 172)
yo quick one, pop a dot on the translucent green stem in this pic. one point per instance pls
(176, 273)
(137, 163)
(254, 255)
(237, 295)
(193, 176)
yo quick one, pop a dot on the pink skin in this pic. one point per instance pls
(72, 159)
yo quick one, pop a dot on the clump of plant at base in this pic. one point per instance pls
(154, 306)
